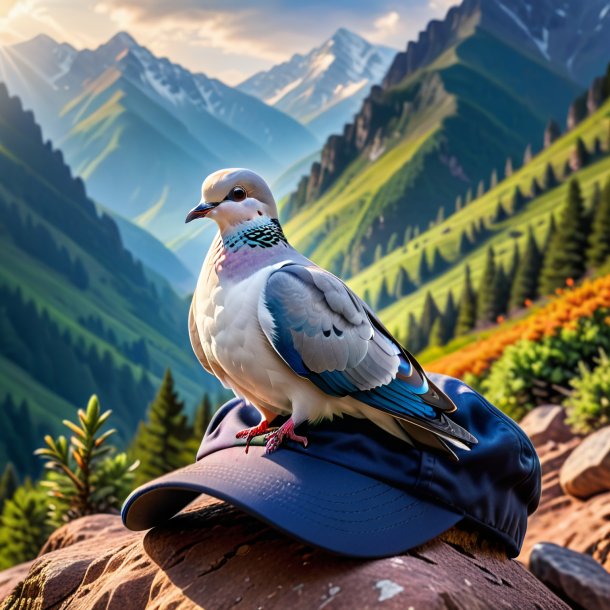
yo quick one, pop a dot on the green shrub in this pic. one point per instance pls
(84, 477)
(531, 373)
(24, 527)
(588, 406)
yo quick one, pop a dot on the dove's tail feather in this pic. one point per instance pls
(423, 438)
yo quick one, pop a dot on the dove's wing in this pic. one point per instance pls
(325, 333)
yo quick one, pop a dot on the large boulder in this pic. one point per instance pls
(216, 557)
(575, 577)
(586, 472)
(578, 524)
(546, 423)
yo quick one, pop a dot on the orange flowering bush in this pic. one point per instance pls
(562, 312)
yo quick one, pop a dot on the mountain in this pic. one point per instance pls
(142, 131)
(449, 112)
(571, 34)
(530, 198)
(79, 314)
(324, 88)
(157, 259)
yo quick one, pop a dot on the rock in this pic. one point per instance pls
(217, 557)
(563, 519)
(586, 472)
(546, 423)
(575, 577)
(601, 552)
(10, 578)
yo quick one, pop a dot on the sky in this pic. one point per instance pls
(226, 39)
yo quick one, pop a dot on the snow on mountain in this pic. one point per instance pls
(571, 34)
(325, 87)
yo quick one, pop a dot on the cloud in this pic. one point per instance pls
(387, 22)
(234, 32)
(442, 5)
(6, 6)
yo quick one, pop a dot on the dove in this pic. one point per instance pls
(292, 339)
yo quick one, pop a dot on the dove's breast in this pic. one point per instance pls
(236, 348)
(240, 355)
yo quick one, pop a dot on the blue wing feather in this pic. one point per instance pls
(293, 298)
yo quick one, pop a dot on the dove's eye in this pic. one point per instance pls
(238, 193)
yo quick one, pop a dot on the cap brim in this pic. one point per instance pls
(318, 502)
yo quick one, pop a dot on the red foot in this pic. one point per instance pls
(275, 439)
(250, 433)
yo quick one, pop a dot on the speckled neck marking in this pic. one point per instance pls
(257, 233)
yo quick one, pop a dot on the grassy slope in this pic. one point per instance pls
(356, 191)
(446, 235)
(104, 298)
(478, 99)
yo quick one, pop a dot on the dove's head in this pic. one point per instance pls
(234, 196)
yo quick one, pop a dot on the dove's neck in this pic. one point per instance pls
(240, 251)
(260, 232)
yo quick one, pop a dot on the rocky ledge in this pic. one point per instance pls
(217, 557)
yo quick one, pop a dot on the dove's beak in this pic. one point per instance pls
(199, 211)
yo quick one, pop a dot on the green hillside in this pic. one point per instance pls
(429, 138)
(78, 313)
(502, 234)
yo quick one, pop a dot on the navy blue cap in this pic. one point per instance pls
(357, 490)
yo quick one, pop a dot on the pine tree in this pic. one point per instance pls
(549, 180)
(429, 315)
(440, 215)
(517, 201)
(458, 203)
(525, 284)
(392, 243)
(403, 284)
(366, 297)
(8, 484)
(480, 189)
(85, 475)
(407, 236)
(203, 417)
(500, 214)
(467, 309)
(551, 133)
(508, 168)
(378, 253)
(599, 240)
(464, 243)
(414, 340)
(550, 232)
(485, 301)
(500, 294)
(493, 181)
(437, 333)
(535, 189)
(160, 441)
(580, 156)
(566, 256)
(527, 155)
(439, 264)
(423, 272)
(443, 329)
(514, 264)
(383, 296)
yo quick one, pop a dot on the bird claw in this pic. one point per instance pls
(250, 433)
(276, 438)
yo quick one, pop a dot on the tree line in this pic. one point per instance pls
(581, 240)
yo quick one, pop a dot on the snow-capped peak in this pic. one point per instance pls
(306, 86)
